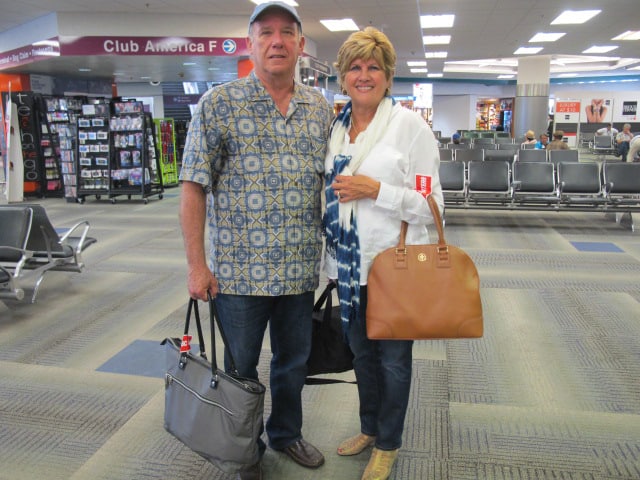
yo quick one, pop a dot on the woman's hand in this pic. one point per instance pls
(355, 187)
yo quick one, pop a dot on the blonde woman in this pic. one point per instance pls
(381, 162)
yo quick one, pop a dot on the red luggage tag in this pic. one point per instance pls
(423, 184)
(185, 346)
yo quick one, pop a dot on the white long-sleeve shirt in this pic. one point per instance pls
(407, 152)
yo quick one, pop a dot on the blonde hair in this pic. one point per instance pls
(530, 134)
(366, 44)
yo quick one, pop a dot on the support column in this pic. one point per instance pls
(531, 110)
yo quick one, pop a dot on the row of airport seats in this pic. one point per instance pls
(509, 155)
(565, 185)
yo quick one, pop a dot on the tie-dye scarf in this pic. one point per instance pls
(341, 219)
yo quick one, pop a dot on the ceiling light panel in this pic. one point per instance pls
(600, 49)
(288, 2)
(435, 54)
(573, 17)
(436, 39)
(416, 63)
(418, 70)
(437, 21)
(528, 50)
(628, 35)
(340, 25)
(546, 37)
(435, 75)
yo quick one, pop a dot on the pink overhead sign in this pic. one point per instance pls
(29, 53)
(79, 46)
(192, 46)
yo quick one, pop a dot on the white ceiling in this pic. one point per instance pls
(484, 30)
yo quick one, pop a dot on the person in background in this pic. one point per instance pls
(634, 149)
(529, 138)
(455, 138)
(381, 163)
(557, 143)
(543, 142)
(607, 130)
(253, 171)
(622, 141)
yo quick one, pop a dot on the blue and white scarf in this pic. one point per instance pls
(341, 218)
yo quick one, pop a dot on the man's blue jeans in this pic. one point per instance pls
(383, 373)
(244, 319)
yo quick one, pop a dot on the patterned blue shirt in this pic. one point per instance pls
(265, 174)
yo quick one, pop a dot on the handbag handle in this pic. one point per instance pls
(214, 319)
(437, 220)
(325, 296)
(213, 316)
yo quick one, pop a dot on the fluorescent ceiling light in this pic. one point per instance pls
(628, 35)
(188, 64)
(637, 67)
(436, 39)
(567, 75)
(288, 2)
(341, 25)
(84, 69)
(419, 70)
(435, 75)
(416, 63)
(546, 37)
(435, 54)
(505, 76)
(600, 49)
(437, 21)
(570, 17)
(527, 50)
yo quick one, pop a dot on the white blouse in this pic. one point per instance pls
(406, 154)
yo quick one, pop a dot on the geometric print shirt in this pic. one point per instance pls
(264, 173)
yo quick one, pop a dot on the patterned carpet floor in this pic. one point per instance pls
(552, 390)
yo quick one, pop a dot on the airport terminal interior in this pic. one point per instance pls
(550, 391)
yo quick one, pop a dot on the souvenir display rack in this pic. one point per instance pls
(62, 116)
(93, 170)
(134, 165)
(165, 134)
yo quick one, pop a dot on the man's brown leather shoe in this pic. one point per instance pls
(305, 454)
(253, 473)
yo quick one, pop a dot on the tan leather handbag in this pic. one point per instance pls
(423, 291)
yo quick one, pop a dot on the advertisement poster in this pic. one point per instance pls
(567, 119)
(597, 110)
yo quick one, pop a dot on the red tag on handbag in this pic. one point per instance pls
(423, 184)
(184, 346)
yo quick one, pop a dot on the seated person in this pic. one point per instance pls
(608, 130)
(543, 142)
(557, 143)
(634, 150)
(455, 138)
(622, 141)
(530, 137)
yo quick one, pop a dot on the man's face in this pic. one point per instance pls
(275, 43)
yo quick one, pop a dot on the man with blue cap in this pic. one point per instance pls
(252, 171)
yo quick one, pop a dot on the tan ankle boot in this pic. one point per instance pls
(355, 445)
(380, 464)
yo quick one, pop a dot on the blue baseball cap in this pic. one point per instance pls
(260, 9)
(455, 136)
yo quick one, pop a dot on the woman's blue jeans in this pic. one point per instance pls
(383, 373)
(244, 319)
